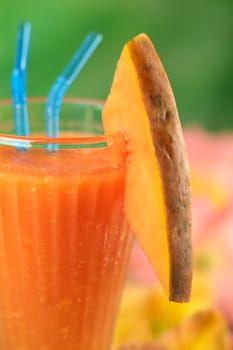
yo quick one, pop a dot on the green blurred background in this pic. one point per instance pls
(193, 38)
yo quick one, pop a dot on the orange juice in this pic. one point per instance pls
(64, 245)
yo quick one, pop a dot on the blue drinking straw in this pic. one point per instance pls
(62, 83)
(18, 80)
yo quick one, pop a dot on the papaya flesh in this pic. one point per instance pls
(141, 105)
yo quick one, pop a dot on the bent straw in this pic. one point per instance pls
(63, 81)
(18, 80)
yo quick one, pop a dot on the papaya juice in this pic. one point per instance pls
(64, 245)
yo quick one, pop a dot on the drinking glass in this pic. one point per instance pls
(64, 237)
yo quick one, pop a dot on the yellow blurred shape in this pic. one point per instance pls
(204, 330)
(145, 313)
(204, 185)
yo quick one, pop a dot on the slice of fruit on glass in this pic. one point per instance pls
(157, 195)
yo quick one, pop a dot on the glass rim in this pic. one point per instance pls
(98, 140)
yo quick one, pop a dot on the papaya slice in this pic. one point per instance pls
(157, 195)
